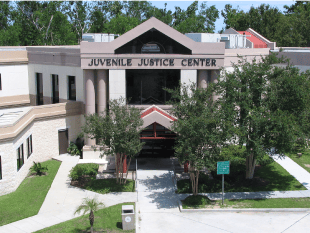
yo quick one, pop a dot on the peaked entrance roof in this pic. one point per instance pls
(110, 47)
(158, 25)
(155, 114)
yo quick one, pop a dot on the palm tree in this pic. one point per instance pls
(91, 206)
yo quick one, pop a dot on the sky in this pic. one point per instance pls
(219, 24)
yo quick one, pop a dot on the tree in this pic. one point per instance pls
(266, 107)
(121, 24)
(189, 21)
(161, 14)
(264, 19)
(117, 130)
(91, 206)
(199, 139)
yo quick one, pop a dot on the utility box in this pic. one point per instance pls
(128, 217)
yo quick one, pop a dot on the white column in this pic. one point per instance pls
(215, 74)
(102, 79)
(89, 77)
(189, 77)
(202, 78)
(117, 84)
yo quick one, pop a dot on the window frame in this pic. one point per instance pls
(0, 169)
(39, 85)
(0, 83)
(70, 91)
(55, 78)
(20, 156)
(29, 146)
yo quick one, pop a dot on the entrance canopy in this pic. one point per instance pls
(154, 114)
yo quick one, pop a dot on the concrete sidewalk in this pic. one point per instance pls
(294, 169)
(62, 200)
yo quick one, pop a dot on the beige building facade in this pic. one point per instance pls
(46, 90)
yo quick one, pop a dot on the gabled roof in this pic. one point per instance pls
(155, 114)
(255, 40)
(148, 25)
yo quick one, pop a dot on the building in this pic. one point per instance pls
(46, 90)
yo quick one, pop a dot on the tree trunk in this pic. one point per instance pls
(250, 166)
(194, 175)
(117, 158)
(91, 221)
(127, 170)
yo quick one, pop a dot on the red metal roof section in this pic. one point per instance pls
(149, 111)
(257, 43)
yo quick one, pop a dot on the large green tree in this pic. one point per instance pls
(195, 18)
(288, 29)
(264, 106)
(199, 139)
(264, 19)
(118, 132)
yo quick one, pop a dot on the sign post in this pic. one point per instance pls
(222, 169)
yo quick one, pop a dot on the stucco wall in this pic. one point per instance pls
(45, 146)
(117, 84)
(14, 80)
(63, 72)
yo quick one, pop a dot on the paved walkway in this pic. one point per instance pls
(62, 200)
(157, 206)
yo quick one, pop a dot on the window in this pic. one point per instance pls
(55, 88)
(72, 88)
(29, 146)
(20, 157)
(0, 169)
(39, 81)
(0, 83)
(145, 87)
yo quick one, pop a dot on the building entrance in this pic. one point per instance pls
(159, 142)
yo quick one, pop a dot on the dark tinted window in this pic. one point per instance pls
(20, 157)
(55, 87)
(145, 87)
(39, 81)
(153, 41)
(72, 88)
(29, 146)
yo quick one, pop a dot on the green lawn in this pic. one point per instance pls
(271, 177)
(109, 185)
(197, 202)
(106, 220)
(26, 201)
(304, 159)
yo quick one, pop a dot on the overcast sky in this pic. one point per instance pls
(243, 5)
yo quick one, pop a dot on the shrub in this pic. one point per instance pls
(73, 149)
(38, 168)
(80, 170)
(197, 201)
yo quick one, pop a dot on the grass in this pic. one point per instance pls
(104, 186)
(301, 161)
(26, 201)
(107, 220)
(271, 177)
(198, 202)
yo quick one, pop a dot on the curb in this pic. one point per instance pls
(258, 210)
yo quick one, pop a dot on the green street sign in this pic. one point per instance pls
(223, 167)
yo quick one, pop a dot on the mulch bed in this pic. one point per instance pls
(81, 183)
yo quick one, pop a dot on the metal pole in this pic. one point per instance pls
(222, 189)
